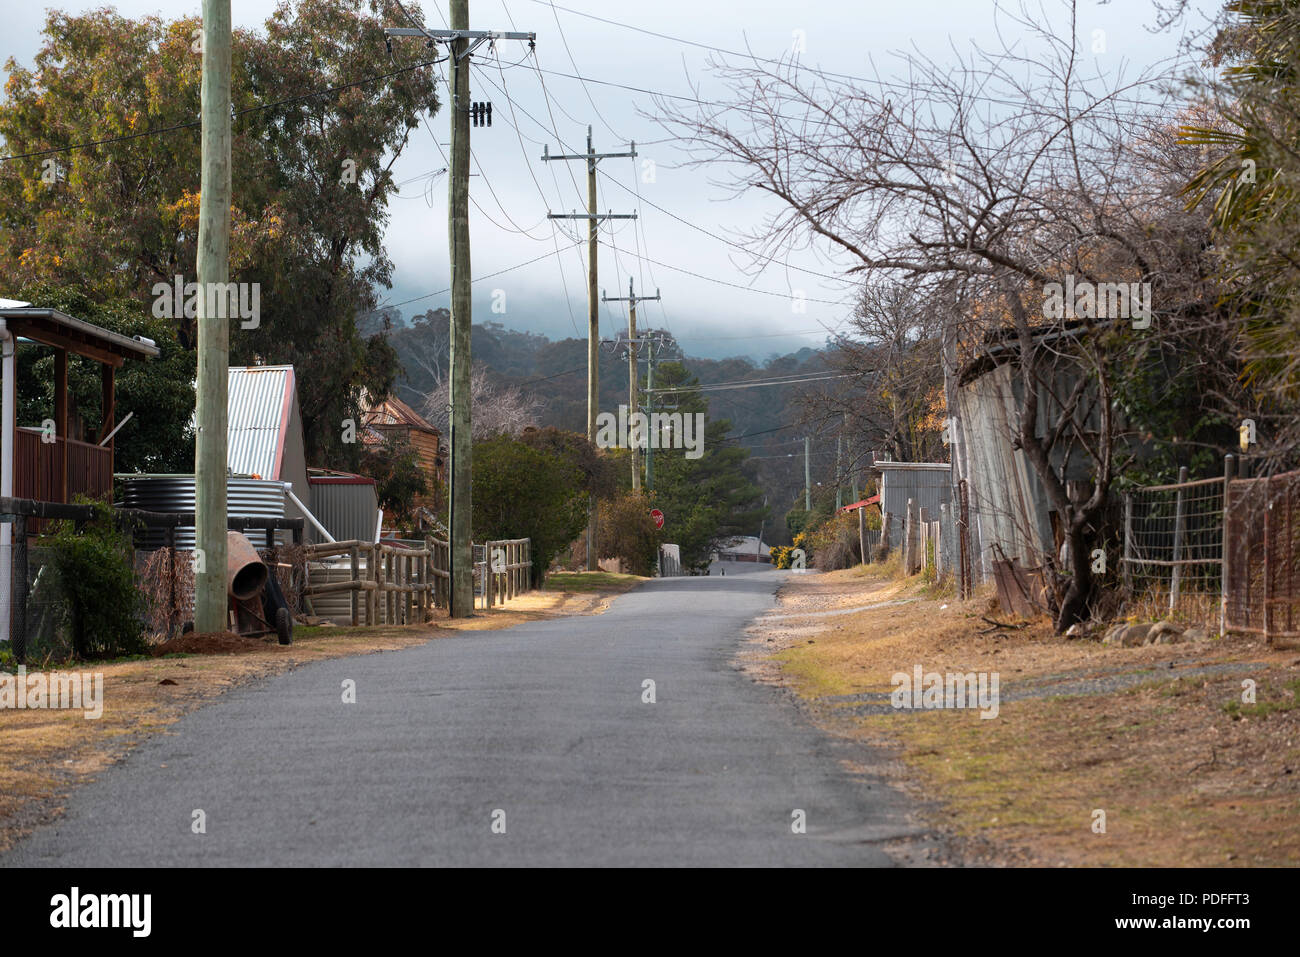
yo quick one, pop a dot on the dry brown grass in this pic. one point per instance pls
(1182, 780)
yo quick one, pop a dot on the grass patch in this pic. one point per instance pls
(589, 581)
(1262, 709)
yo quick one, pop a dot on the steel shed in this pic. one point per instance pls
(928, 484)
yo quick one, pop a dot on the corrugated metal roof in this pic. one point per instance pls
(258, 404)
(883, 465)
(393, 411)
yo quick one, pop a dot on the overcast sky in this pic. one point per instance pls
(510, 227)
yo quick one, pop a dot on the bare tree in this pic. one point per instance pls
(891, 400)
(983, 184)
(494, 409)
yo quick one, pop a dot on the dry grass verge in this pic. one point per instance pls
(1156, 737)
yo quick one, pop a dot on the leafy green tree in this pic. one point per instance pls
(319, 125)
(399, 476)
(1252, 142)
(529, 489)
(705, 499)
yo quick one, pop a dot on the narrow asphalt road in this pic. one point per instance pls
(541, 727)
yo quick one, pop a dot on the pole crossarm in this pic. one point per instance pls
(457, 34)
(475, 37)
(596, 216)
(591, 158)
(633, 298)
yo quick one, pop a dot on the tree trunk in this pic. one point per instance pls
(1074, 606)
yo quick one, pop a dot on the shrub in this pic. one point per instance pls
(627, 532)
(835, 543)
(94, 572)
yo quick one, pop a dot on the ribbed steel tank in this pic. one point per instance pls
(245, 498)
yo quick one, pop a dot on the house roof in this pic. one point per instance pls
(393, 411)
(259, 403)
(53, 328)
(317, 476)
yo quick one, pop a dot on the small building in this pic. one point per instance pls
(58, 462)
(927, 484)
(346, 504)
(394, 419)
(264, 429)
(744, 548)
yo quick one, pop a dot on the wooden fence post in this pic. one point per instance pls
(1180, 523)
(923, 538)
(862, 534)
(909, 537)
(355, 555)
(1128, 543)
(18, 620)
(172, 611)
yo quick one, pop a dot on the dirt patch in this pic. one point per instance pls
(209, 643)
(1157, 737)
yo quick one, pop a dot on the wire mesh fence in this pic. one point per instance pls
(1173, 550)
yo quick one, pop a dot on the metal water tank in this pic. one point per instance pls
(245, 498)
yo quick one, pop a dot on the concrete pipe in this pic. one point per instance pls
(246, 573)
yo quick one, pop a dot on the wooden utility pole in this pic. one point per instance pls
(649, 408)
(807, 473)
(632, 342)
(593, 303)
(461, 465)
(461, 42)
(213, 266)
(839, 452)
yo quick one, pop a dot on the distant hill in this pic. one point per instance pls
(555, 371)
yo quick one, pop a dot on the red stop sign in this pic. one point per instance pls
(658, 516)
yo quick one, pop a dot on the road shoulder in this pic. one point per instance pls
(1155, 737)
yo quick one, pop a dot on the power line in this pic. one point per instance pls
(565, 41)
(894, 86)
(755, 384)
(491, 275)
(547, 377)
(722, 239)
(733, 285)
(513, 123)
(762, 335)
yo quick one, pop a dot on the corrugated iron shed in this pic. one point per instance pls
(928, 484)
(344, 503)
(260, 401)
